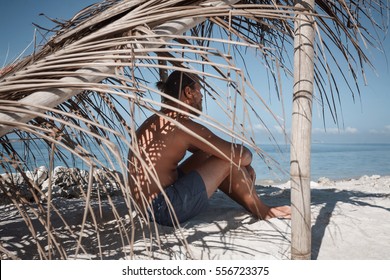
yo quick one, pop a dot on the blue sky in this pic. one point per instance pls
(365, 120)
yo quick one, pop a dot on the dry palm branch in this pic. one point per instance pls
(78, 99)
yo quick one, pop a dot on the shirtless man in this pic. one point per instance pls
(163, 140)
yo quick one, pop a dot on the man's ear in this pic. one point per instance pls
(187, 92)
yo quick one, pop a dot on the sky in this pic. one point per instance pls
(365, 120)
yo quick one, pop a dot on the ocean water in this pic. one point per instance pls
(334, 161)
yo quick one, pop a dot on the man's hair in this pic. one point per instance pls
(176, 82)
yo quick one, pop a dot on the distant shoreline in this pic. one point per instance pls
(72, 182)
(321, 180)
(336, 161)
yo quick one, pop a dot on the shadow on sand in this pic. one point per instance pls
(110, 234)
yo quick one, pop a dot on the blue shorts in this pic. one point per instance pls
(188, 197)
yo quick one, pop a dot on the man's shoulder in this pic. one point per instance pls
(195, 128)
(190, 123)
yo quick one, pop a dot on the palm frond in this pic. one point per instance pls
(84, 93)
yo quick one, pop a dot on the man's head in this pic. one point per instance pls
(183, 86)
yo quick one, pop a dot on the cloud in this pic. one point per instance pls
(318, 130)
(276, 129)
(259, 127)
(384, 130)
(351, 130)
(281, 130)
(335, 130)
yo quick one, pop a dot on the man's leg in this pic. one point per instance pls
(237, 183)
(239, 186)
(212, 170)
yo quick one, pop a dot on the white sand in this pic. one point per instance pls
(350, 220)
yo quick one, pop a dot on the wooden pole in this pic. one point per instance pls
(301, 132)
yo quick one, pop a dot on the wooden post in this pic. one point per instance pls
(301, 132)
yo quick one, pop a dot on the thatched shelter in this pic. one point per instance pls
(81, 95)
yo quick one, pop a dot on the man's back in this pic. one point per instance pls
(162, 146)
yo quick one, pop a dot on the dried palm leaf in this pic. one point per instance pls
(84, 93)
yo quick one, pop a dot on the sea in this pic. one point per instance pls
(333, 161)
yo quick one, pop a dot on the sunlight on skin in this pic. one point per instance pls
(163, 145)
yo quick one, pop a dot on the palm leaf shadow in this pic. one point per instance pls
(95, 119)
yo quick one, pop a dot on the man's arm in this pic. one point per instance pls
(210, 143)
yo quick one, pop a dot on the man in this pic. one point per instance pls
(172, 191)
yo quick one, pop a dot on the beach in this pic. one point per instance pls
(350, 220)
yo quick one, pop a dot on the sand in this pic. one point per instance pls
(350, 220)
